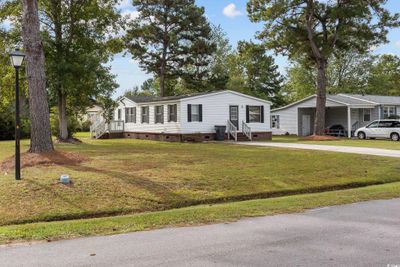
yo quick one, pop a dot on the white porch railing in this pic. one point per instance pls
(116, 126)
(246, 130)
(232, 131)
(101, 127)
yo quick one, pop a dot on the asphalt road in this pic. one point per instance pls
(343, 149)
(362, 234)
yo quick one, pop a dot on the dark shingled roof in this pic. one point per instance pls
(145, 99)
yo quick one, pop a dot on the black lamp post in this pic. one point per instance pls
(17, 58)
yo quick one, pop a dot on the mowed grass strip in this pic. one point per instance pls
(376, 143)
(125, 176)
(204, 214)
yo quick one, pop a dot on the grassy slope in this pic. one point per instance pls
(385, 144)
(131, 176)
(192, 215)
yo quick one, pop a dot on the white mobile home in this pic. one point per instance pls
(347, 110)
(192, 117)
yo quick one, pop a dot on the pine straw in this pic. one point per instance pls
(43, 159)
(319, 138)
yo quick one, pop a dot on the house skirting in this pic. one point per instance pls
(195, 137)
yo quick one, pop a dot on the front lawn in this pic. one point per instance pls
(130, 176)
(385, 144)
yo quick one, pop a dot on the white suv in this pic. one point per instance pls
(380, 129)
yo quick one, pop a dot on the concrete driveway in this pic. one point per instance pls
(343, 149)
(362, 234)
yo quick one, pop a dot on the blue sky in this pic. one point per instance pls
(231, 15)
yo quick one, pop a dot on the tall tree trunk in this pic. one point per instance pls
(62, 116)
(162, 83)
(38, 105)
(319, 123)
(162, 70)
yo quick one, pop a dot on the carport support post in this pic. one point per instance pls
(348, 122)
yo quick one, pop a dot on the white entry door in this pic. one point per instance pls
(306, 125)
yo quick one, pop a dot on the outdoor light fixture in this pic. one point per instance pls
(17, 58)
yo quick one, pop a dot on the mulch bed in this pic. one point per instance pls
(43, 159)
(319, 138)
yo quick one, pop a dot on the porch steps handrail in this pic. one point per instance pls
(246, 130)
(232, 130)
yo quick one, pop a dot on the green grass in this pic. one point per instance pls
(125, 176)
(385, 144)
(196, 215)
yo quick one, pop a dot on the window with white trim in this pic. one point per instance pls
(172, 113)
(389, 111)
(195, 112)
(275, 121)
(130, 115)
(145, 114)
(159, 114)
(366, 114)
(254, 113)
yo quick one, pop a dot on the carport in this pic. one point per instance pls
(349, 114)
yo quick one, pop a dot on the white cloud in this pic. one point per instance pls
(130, 15)
(231, 11)
(397, 44)
(125, 4)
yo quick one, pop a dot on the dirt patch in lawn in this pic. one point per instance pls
(319, 138)
(43, 159)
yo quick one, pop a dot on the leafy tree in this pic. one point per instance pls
(347, 72)
(78, 40)
(313, 30)
(167, 36)
(384, 78)
(212, 76)
(262, 77)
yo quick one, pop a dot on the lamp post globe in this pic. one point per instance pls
(17, 58)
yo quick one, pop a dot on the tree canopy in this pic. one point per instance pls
(313, 30)
(169, 37)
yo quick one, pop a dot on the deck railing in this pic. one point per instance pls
(246, 130)
(232, 130)
(101, 127)
(116, 126)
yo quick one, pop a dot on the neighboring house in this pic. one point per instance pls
(349, 110)
(92, 114)
(190, 117)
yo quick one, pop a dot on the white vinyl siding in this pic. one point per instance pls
(215, 111)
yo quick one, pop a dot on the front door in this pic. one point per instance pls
(234, 115)
(306, 125)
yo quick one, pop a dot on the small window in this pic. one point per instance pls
(159, 114)
(275, 121)
(145, 114)
(172, 113)
(366, 114)
(119, 114)
(130, 115)
(254, 113)
(396, 124)
(389, 112)
(385, 124)
(373, 124)
(195, 112)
